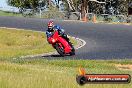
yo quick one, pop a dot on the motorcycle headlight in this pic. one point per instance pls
(53, 40)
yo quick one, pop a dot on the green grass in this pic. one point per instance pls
(3, 13)
(17, 43)
(42, 73)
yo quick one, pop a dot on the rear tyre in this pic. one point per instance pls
(59, 49)
(73, 50)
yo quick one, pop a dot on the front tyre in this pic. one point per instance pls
(59, 49)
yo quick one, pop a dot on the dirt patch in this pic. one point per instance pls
(124, 67)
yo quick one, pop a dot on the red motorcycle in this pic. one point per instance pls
(61, 45)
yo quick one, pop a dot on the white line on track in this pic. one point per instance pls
(83, 42)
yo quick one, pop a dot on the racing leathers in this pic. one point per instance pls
(49, 33)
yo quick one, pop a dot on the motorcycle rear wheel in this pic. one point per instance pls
(73, 50)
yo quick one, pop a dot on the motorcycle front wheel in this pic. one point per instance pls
(59, 49)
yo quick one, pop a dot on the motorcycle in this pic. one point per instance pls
(61, 45)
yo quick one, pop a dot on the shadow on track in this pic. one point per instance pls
(55, 55)
(52, 56)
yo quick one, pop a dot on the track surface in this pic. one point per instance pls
(104, 41)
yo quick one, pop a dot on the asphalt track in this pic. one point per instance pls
(104, 41)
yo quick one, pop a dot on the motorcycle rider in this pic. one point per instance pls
(52, 28)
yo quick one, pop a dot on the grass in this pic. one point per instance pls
(42, 73)
(3, 13)
(17, 43)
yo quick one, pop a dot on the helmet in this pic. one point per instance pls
(50, 24)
